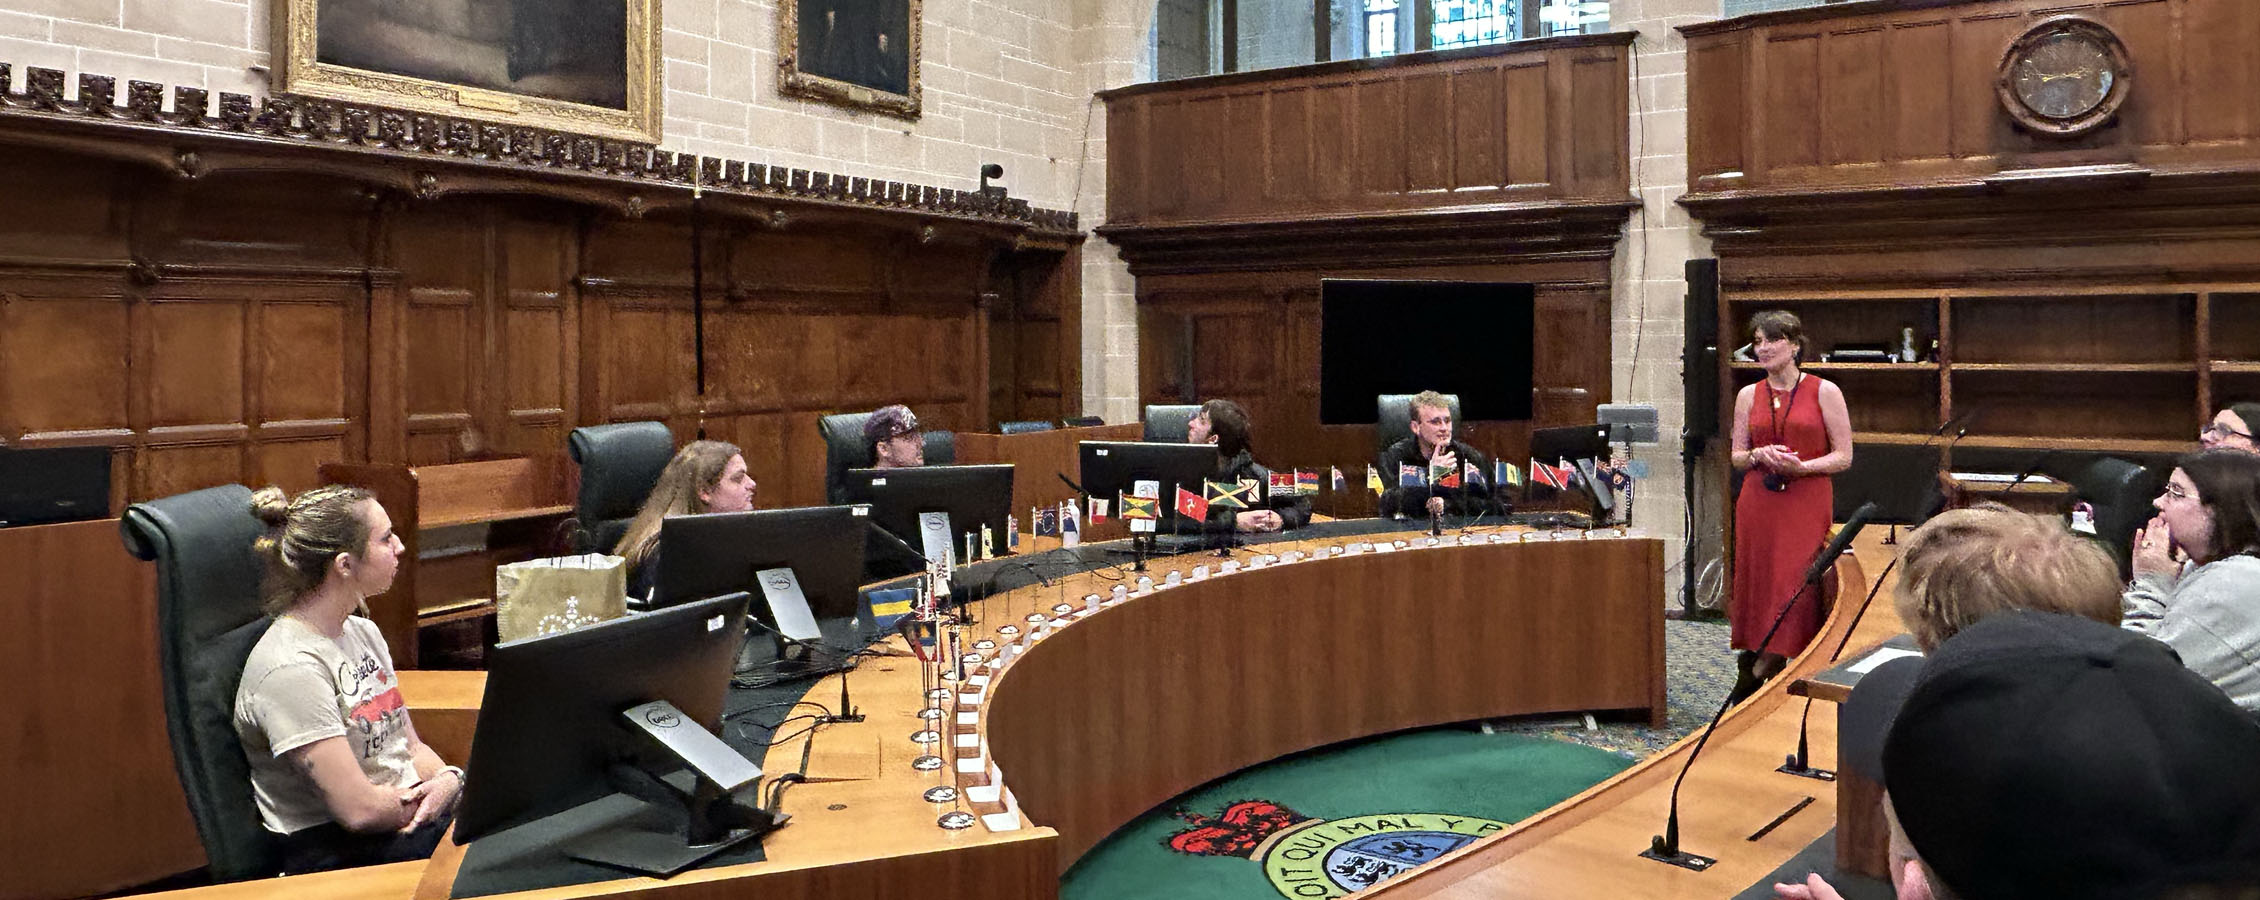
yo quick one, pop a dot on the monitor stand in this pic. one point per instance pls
(692, 826)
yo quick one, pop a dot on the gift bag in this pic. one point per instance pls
(548, 596)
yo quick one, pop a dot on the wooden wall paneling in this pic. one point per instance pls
(1291, 147)
(1717, 133)
(2147, 29)
(1333, 159)
(2216, 38)
(86, 746)
(444, 252)
(1427, 131)
(539, 319)
(1918, 87)
(1851, 87)
(1596, 102)
(1380, 139)
(1528, 120)
(1792, 68)
(1477, 115)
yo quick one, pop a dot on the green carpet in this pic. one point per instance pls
(1341, 818)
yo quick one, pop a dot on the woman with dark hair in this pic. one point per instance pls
(337, 769)
(2232, 429)
(1225, 424)
(2210, 615)
(704, 477)
(1791, 432)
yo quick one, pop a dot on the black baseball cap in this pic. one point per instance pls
(2045, 755)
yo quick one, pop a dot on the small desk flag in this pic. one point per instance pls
(1192, 505)
(1340, 484)
(1230, 496)
(1306, 482)
(1504, 472)
(1098, 510)
(1047, 522)
(1373, 480)
(1070, 531)
(1282, 484)
(1443, 476)
(1139, 508)
(1409, 476)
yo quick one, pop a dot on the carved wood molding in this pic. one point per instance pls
(426, 156)
(1564, 230)
(2087, 205)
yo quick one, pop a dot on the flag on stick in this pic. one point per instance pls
(1409, 476)
(1340, 483)
(1191, 505)
(1373, 480)
(1306, 482)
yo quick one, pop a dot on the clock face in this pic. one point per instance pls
(2064, 75)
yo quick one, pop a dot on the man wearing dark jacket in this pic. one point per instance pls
(1225, 424)
(1431, 447)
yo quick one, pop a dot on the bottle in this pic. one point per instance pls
(1907, 344)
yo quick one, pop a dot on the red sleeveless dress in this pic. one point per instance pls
(1777, 533)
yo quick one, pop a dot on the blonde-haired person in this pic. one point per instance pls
(1957, 569)
(704, 477)
(336, 767)
(1966, 564)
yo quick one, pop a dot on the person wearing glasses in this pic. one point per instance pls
(2209, 614)
(2231, 429)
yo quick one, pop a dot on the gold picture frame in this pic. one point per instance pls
(844, 52)
(552, 68)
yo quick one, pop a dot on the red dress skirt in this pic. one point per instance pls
(1777, 533)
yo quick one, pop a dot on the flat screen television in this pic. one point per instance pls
(1402, 337)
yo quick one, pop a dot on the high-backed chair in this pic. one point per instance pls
(208, 619)
(844, 449)
(1166, 424)
(2121, 492)
(619, 466)
(1393, 421)
(1023, 427)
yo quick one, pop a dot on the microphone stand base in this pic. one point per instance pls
(1793, 767)
(1682, 859)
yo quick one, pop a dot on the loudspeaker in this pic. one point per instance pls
(1699, 362)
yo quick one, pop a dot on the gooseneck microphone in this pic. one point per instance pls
(1664, 848)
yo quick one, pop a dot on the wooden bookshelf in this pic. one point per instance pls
(506, 510)
(2129, 369)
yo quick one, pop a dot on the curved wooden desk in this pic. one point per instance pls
(1145, 700)
(1118, 711)
(1732, 806)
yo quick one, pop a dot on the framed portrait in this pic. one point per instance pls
(589, 67)
(860, 53)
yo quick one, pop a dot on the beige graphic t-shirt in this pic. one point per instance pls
(300, 687)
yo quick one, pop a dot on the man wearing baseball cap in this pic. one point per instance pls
(2044, 755)
(894, 436)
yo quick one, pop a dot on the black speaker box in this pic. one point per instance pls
(1699, 362)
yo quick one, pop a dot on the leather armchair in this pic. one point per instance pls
(1166, 424)
(208, 619)
(2121, 492)
(1393, 421)
(844, 449)
(619, 466)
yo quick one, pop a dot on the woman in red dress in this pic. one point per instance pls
(1791, 431)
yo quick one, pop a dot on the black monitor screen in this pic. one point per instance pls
(550, 724)
(1111, 467)
(715, 553)
(1572, 443)
(1403, 337)
(973, 496)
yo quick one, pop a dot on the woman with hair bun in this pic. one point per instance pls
(337, 769)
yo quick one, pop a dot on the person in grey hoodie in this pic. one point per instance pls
(2210, 612)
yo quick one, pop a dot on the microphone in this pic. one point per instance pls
(2031, 470)
(1796, 764)
(1664, 848)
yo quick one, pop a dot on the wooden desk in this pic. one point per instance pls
(1039, 457)
(1732, 805)
(85, 765)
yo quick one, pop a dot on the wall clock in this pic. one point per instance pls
(2064, 77)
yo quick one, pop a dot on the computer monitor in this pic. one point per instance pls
(569, 718)
(1112, 467)
(973, 496)
(44, 485)
(1573, 443)
(716, 553)
(1582, 446)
